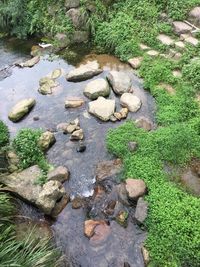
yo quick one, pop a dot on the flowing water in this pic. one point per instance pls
(123, 245)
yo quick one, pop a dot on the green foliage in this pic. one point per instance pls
(191, 73)
(28, 150)
(22, 253)
(173, 224)
(4, 134)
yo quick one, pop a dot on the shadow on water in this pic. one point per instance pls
(123, 244)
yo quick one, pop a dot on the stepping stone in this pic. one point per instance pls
(180, 45)
(135, 62)
(181, 27)
(177, 73)
(165, 39)
(96, 88)
(168, 88)
(144, 47)
(194, 16)
(191, 40)
(184, 36)
(135, 188)
(74, 102)
(130, 101)
(120, 82)
(153, 53)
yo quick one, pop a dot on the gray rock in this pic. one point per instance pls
(102, 108)
(80, 37)
(135, 62)
(165, 39)
(141, 211)
(62, 39)
(46, 140)
(144, 123)
(84, 72)
(29, 63)
(108, 169)
(181, 27)
(96, 88)
(120, 82)
(21, 109)
(194, 16)
(60, 174)
(78, 18)
(72, 3)
(130, 101)
(74, 102)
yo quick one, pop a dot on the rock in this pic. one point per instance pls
(72, 128)
(84, 72)
(97, 231)
(108, 169)
(135, 188)
(51, 193)
(177, 73)
(46, 85)
(152, 53)
(102, 108)
(77, 135)
(46, 140)
(141, 211)
(122, 217)
(181, 27)
(118, 116)
(77, 203)
(80, 37)
(63, 127)
(146, 256)
(191, 40)
(81, 147)
(120, 82)
(135, 62)
(130, 101)
(110, 207)
(21, 109)
(30, 63)
(132, 146)
(194, 16)
(36, 118)
(122, 194)
(180, 44)
(78, 18)
(165, 39)
(24, 185)
(72, 4)
(144, 47)
(96, 88)
(124, 113)
(144, 123)
(74, 103)
(56, 74)
(60, 174)
(60, 205)
(168, 88)
(113, 118)
(63, 40)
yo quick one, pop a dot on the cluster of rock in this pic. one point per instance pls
(72, 128)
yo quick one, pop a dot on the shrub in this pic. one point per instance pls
(4, 134)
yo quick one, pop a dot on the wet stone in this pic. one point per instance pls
(108, 169)
(141, 211)
(81, 147)
(77, 203)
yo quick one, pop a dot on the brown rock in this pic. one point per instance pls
(132, 146)
(118, 116)
(60, 174)
(77, 135)
(144, 123)
(135, 62)
(108, 169)
(97, 231)
(146, 256)
(135, 188)
(74, 103)
(77, 203)
(124, 113)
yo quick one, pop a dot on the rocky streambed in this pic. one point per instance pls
(100, 226)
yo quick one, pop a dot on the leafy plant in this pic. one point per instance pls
(4, 134)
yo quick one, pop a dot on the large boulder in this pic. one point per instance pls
(96, 88)
(46, 140)
(120, 82)
(84, 72)
(102, 108)
(21, 109)
(135, 188)
(130, 101)
(24, 184)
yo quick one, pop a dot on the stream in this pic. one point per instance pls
(123, 246)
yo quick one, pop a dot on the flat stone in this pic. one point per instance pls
(46, 140)
(152, 53)
(181, 27)
(108, 169)
(77, 135)
(144, 47)
(145, 255)
(21, 109)
(183, 36)
(192, 40)
(120, 82)
(60, 174)
(56, 74)
(130, 101)
(177, 73)
(96, 88)
(30, 63)
(84, 72)
(135, 62)
(135, 188)
(168, 88)
(74, 102)
(180, 44)
(102, 108)
(165, 39)
(141, 211)
(194, 16)
(144, 123)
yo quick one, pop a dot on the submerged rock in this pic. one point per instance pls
(30, 63)
(130, 101)
(84, 72)
(21, 109)
(135, 188)
(102, 108)
(77, 135)
(46, 85)
(97, 231)
(56, 74)
(96, 88)
(24, 185)
(46, 140)
(74, 102)
(120, 82)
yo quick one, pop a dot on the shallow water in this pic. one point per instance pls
(123, 244)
